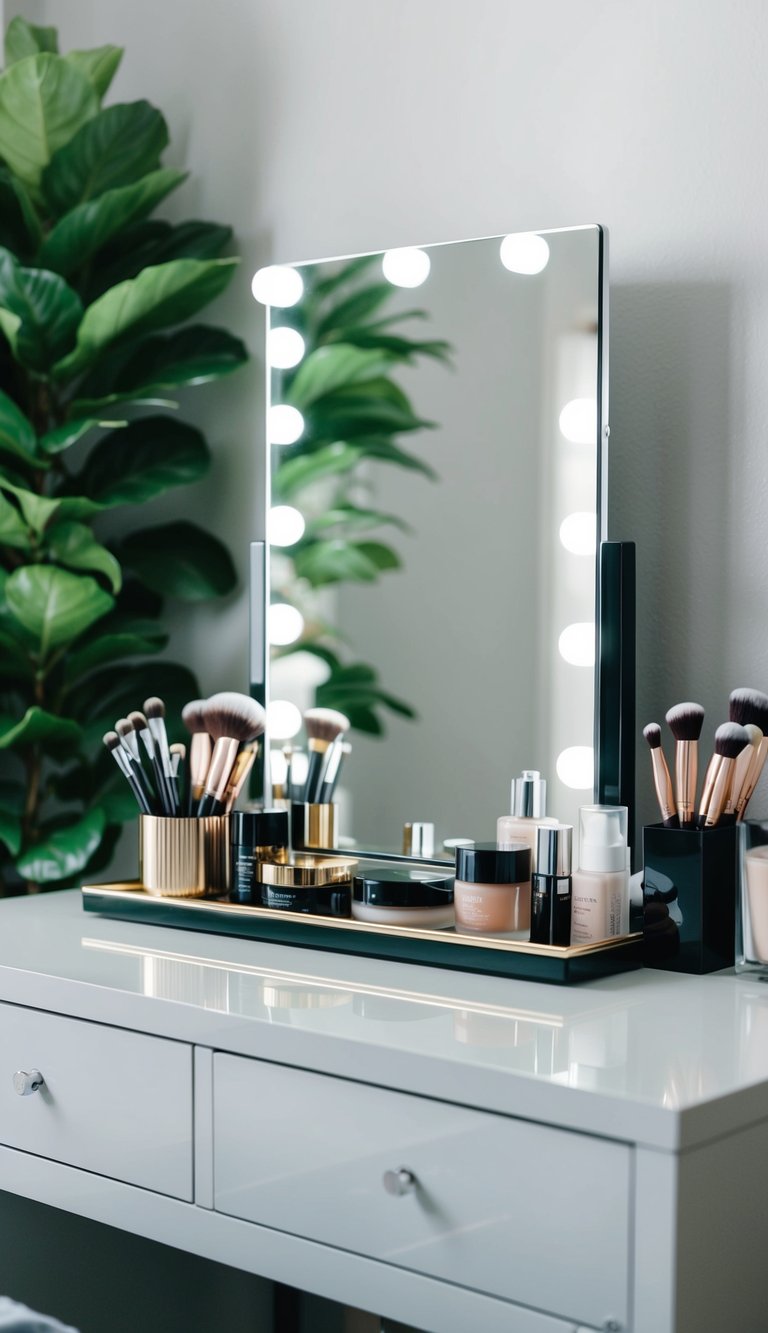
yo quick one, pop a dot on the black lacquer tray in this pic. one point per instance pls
(433, 948)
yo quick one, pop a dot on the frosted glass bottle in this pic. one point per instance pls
(600, 901)
(528, 813)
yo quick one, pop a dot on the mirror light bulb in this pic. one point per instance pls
(578, 421)
(283, 720)
(286, 624)
(577, 644)
(285, 424)
(578, 533)
(407, 267)
(576, 767)
(278, 285)
(285, 348)
(285, 526)
(524, 253)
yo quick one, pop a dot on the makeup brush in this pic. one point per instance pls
(231, 719)
(239, 775)
(141, 727)
(278, 771)
(750, 707)
(685, 722)
(322, 726)
(130, 744)
(200, 747)
(179, 774)
(661, 776)
(730, 740)
(154, 711)
(122, 759)
(746, 759)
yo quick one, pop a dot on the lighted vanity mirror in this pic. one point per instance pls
(435, 419)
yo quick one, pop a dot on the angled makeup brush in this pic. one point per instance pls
(750, 708)
(200, 748)
(685, 722)
(141, 727)
(154, 710)
(743, 768)
(231, 719)
(661, 777)
(730, 740)
(322, 726)
(123, 761)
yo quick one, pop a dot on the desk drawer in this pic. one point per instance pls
(518, 1210)
(114, 1102)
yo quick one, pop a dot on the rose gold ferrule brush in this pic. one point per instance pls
(730, 740)
(322, 726)
(750, 708)
(743, 768)
(685, 722)
(231, 719)
(200, 747)
(661, 776)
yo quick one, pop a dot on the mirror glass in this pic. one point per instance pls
(434, 421)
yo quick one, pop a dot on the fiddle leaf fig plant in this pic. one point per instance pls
(95, 295)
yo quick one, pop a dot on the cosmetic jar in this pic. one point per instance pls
(313, 826)
(403, 898)
(493, 889)
(319, 885)
(255, 836)
(184, 858)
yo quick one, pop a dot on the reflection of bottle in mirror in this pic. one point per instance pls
(600, 908)
(528, 813)
(551, 886)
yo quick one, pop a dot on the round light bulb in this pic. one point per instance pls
(285, 526)
(286, 624)
(577, 643)
(578, 421)
(285, 348)
(578, 533)
(407, 267)
(283, 720)
(278, 285)
(576, 767)
(524, 252)
(285, 424)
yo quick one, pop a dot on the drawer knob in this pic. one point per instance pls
(399, 1182)
(26, 1083)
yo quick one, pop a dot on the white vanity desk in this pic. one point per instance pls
(591, 1157)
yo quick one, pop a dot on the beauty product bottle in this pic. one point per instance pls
(551, 886)
(529, 813)
(600, 906)
(492, 893)
(256, 836)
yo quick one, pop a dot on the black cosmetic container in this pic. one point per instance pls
(311, 885)
(551, 886)
(255, 836)
(689, 898)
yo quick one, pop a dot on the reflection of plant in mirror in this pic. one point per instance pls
(354, 413)
(87, 283)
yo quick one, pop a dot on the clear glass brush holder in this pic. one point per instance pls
(184, 858)
(752, 924)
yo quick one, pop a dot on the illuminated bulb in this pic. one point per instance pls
(286, 624)
(576, 767)
(283, 720)
(577, 643)
(285, 348)
(285, 425)
(278, 285)
(285, 526)
(524, 253)
(578, 421)
(408, 267)
(578, 533)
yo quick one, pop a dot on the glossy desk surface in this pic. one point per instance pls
(651, 1057)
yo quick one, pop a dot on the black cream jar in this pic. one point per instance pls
(384, 897)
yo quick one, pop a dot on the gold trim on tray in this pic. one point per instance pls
(218, 906)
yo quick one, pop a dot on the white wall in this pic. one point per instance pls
(331, 126)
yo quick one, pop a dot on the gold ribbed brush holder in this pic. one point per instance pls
(184, 858)
(313, 826)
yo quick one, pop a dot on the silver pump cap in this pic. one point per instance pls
(553, 850)
(419, 840)
(529, 795)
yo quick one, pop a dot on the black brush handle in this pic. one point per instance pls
(139, 778)
(314, 776)
(209, 805)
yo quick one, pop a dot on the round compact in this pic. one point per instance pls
(403, 898)
(318, 885)
(493, 889)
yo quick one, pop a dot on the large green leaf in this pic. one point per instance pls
(16, 433)
(336, 561)
(370, 407)
(43, 101)
(109, 694)
(14, 531)
(354, 518)
(26, 39)
(119, 146)
(116, 638)
(180, 560)
(293, 474)
(355, 309)
(159, 296)
(89, 226)
(20, 229)
(156, 242)
(54, 606)
(329, 368)
(64, 852)
(37, 510)
(74, 545)
(99, 64)
(57, 440)
(148, 457)
(38, 727)
(193, 355)
(39, 313)
(399, 347)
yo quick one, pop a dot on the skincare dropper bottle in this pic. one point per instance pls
(529, 813)
(551, 886)
(600, 908)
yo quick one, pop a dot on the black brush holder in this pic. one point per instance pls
(689, 898)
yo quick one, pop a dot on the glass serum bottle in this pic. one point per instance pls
(528, 813)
